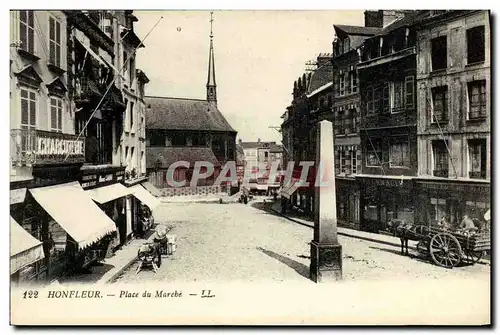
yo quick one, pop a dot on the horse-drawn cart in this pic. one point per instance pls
(447, 248)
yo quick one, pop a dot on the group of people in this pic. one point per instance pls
(467, 223)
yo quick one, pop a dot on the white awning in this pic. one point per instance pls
(108, 193)
(144, 196)
(24, 248)
(72, 208)
(152, 189)
(289, 189)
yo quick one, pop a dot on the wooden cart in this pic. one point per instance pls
(447, 248)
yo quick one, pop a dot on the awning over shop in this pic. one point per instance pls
(144, 196)
(72, 208)
(24, 248)
(290, 189)
(108, 193)
(151, 188)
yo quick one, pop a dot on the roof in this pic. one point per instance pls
(320, 77)
(166, 156)
(406, 21)
(320, 89)
(357, 30)
(276, 148)
(257, 145)
(184, 114)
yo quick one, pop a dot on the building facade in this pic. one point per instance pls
(345, 116)
(188, 130)
(66, 190)
(388, 128)
(454, 116)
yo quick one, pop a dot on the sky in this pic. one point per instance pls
(258, 56)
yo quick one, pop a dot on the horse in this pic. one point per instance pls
(401, 229)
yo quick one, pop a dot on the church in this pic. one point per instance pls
(181, 129)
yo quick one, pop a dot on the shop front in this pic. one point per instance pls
(143, 204)
(75, 232)
(103, 185)
(383, 198)
(452, 199)
(25, 252)
(348, 201)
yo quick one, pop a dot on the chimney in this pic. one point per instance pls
(373, 18)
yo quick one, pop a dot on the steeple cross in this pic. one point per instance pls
(211, 22)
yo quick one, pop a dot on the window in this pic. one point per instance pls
(56, 114)
(409, 91)
(374, 154)
(477, 99)
(131, 116)
(396, 96)
(440, 153)
(439, 53)
(475, 45)
(440, 104)
(127, 128)
(342, 83)
(477, 158)
(28, 119)
(343, 161)
(266, 154)
(329, 98)
(376, 99)
(178, 139)
(157, 139)
(399, 154)
(321, 103)
(369, 99)
(347, 45)
(439, 208)
(27, 30)
(386, 97)
(54, 42)
(354, 162)
(354, 82)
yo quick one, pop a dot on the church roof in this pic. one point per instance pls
(184, 114)
(163, 157)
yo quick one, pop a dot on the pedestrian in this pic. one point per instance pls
(467, 223)
(443, 223)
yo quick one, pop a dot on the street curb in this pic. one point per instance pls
(120, 271)
(345, 234)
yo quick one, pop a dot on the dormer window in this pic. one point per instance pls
(347, 45)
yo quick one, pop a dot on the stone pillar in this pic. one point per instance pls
(326, 252)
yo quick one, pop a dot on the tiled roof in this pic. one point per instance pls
(165, 156)
(357, 30)
(322, 76)
(184, 114)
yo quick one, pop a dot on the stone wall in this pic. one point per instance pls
(199, 190)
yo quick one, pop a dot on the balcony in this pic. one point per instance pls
(31, 146)
(441, 173)
(86, 90)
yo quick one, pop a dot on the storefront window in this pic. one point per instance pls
(438, 209)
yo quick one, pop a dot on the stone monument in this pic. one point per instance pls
(326, 252)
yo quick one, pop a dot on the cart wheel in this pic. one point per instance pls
(473, 257)
(445, 250)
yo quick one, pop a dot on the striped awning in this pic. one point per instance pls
(24, 248)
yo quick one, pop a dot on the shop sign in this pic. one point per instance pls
(108, 177)
(17, 195)
(386, 182)
(56, 147)
(119, 175)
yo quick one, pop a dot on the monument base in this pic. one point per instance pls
(326, 262)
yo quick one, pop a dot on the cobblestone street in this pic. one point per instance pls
(239, 242)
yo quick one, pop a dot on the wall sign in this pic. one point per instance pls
(98, 178)
(55, 147)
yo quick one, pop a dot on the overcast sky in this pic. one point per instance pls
(258, 55)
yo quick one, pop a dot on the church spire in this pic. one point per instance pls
(211, 86)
